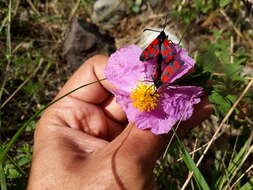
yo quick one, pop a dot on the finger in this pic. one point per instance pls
(51, 139)
(77, 114)
(93, 70)
(141, 146)
(114, 129)
(113, 110)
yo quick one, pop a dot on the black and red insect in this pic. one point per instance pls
(166, 66)
(160, 45)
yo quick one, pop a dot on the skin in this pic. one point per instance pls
(84, 141)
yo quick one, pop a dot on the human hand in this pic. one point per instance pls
(84, 141)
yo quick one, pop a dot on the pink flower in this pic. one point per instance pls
(156, 110)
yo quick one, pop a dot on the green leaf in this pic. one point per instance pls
(2, 177)
(12, 173)
(31, 127)
(31, 88)
(248, 185)
(221, 104)
(232, 71)
(198, 4)
(232, 98)
(234, 165)
(19, 169)
(223, 3)
(136, 6)
(200, 180)
(209, 61)
(196, 173)
(24, 160)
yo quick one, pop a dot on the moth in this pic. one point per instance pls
(166, 66)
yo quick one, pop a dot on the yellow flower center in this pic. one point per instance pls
(144, 97)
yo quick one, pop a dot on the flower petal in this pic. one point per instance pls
(157, 122)
(124, 68)
(164, 126)
(179, 102)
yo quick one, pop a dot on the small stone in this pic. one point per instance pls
(83, 41)
(108, 13)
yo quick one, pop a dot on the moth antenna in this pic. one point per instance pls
(151, 30)
(166, 19)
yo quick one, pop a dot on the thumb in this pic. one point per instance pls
(143, 145)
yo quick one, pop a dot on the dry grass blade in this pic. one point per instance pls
(172, 137)
(231, 23)
(218, 130)
(239, 178)
(237, 31)
(235, 172)
(9, 49)
(73, 11)
(4, 21)
(22, 84)
(195, 150)
(33, 8)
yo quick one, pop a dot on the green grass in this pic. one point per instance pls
(31, 70)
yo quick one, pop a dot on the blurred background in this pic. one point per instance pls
(42, 42)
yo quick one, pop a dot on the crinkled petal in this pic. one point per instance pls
(164, 126)
(176, 103)
(179, 101)
(124, 68)
(158, 122)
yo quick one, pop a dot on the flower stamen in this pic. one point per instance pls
(145, 97)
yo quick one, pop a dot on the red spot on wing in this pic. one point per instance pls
(164, 53)
(176, 65)
(168, 58)
(165, 78)
(168, 51)
(167, 73)
(150, 50)
(169, 70)
(166, 43)
(155, 42)
(145, 53)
